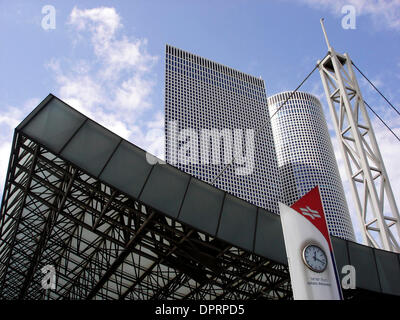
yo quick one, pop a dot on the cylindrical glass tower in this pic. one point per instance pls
(306, 158)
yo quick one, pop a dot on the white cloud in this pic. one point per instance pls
(5, 148)
(9, 119)
(384, 13)
(114, 88)
(117, 54)
(155, 136)
(133, 93)
(102, 22)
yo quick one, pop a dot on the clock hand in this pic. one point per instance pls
(319, 260)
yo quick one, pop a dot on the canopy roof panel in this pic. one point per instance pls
(79, 197)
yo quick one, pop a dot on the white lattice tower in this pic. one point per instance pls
(372, 194)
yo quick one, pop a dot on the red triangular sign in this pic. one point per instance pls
(310, 207)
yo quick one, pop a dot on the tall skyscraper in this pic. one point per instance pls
(306, 158)
(215, 115)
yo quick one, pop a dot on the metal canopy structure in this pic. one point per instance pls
(114, 226)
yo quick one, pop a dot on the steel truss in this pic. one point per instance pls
(373, 196)
(106, 245)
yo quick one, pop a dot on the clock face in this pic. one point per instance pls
(315, 258)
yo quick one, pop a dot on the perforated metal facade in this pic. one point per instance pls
(306, 159)
(202, 94)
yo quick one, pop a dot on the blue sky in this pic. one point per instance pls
(106, 58)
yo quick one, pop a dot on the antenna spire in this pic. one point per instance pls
(325, 35)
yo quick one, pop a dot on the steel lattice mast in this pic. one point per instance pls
(373, 196)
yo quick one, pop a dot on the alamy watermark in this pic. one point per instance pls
(349, 20)
(49, 278)
(225, 146)
(49, 20)
(349, 278)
